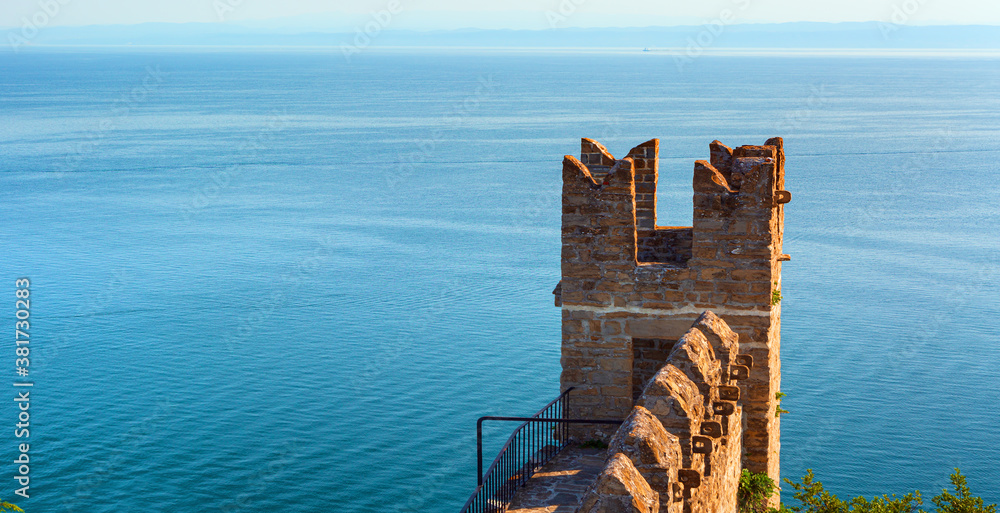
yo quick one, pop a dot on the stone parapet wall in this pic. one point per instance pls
(684, 436)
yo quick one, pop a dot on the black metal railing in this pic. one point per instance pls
(534, 443)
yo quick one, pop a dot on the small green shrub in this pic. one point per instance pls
(813, 498)
(964, 502)
(754, 491)
(775, 295)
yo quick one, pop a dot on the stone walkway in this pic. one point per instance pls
(559, 486)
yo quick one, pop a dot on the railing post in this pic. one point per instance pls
(479, 453)
(566, 416)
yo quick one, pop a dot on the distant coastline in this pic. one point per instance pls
(987, 53)
(799, 37)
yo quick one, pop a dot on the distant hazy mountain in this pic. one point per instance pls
(872, 35)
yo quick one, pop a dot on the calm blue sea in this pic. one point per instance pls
(279, 281)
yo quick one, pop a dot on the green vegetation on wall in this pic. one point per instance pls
(778, 410)
(756, 488)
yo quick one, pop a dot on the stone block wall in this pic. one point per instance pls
(648, 355)
(684, 436)
(626, 281)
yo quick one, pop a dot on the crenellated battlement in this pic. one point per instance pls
(734, 187)
(630, 288)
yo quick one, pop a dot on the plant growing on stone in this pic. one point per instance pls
(756, 488)
(778, 410)
(775, 295)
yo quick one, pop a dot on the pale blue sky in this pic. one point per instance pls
(519, 14)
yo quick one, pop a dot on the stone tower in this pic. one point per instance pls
(630, 289)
